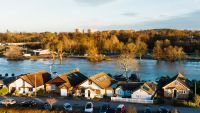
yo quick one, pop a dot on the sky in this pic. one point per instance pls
(67, 15)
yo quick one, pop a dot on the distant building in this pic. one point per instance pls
(42, 52)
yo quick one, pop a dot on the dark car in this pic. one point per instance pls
(147, 110)
(28, 103)
(121, 109)
(105, 108)
(163, 110)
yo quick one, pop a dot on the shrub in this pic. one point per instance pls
(197, 100)
(3, 91)
(16, 93)
(131, 109)
(40, 92)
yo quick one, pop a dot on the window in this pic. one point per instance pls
(30, 89)
(175, 83)
(98, 92)
(89, 82)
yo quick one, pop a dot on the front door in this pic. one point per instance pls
(88, 93)
(175, 93)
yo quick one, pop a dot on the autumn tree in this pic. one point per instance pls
(14, 53)
(158, 51)
(141, 48)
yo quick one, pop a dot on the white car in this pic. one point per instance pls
(67, 107)
(89, 107)
(8, 101)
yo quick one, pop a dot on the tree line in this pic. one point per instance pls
(168, 44)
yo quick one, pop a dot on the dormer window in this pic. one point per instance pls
(89, 82)
(175, 83)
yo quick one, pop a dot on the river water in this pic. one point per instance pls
(148, 69)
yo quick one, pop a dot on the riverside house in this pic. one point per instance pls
(29, 83)
(177, 87)
(97, 86)
(136, 90)
(67, 83)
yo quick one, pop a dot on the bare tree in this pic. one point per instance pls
(127, 62)
(14, 52)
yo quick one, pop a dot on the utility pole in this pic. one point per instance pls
(35, 86)
(195, 88)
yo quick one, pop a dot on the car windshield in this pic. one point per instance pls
(88, 106)
(67, 106)
(118, 109)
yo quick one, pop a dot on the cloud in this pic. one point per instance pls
(93, 2)
(129, 14)
(186, 21)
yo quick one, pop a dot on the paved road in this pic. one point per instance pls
(79, 105)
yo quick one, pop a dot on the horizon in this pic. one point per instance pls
(65, 16)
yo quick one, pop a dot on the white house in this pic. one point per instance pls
(27, 83)
(136, 90)
(41, 52)
(67, 83)
(97, 86)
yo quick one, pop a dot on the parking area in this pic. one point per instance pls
(79, 105)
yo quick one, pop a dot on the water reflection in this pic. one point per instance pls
(148, 69)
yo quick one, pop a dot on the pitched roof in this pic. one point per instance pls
(133, 86)
(181, 78)
(36, 79)
(69, 79)
(8, 80)
(102, 80)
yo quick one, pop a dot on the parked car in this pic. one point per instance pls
(89, 107)
(8, 101)
(28, 103)
(47, 106)
(120, 108)
(105, 108)
(67, 107)
(174, 111)
(147, 110)
(162, 109)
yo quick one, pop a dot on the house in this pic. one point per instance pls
(97, 86)
(177, 87)
(66, 83)
(29, 83)
(41, 52)
(136, 90)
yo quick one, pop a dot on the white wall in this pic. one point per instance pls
(141, 94)
(93, 94)
(18, 84)
(63, 92)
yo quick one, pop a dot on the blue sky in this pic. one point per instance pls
(66, 15)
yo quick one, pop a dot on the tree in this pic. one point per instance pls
(157, 51)
(3, 91)
(59, 48)
(131, 48)
(14, 53)
(127, 62)
(141, 48)
(50, 42)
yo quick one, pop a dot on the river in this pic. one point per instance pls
(148, 69)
